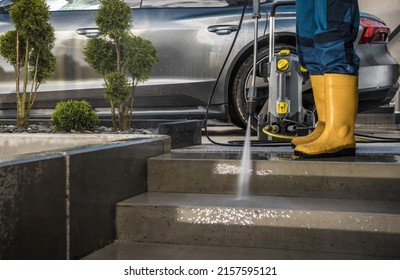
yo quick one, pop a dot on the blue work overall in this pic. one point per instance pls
(326, 31)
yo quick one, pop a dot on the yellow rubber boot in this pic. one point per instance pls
(337, 139)
(317, 84)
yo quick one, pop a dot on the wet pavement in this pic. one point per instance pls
(225, 141)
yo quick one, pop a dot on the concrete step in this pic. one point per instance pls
(369, 177)
(128, 250)
(368, 228)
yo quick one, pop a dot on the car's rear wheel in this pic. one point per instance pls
(241, 83)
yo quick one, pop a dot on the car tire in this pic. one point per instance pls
(241, 81)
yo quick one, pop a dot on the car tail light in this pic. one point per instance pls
(374, 31)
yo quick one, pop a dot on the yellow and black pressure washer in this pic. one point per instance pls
(282, 116)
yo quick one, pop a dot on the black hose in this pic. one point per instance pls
(394, 33)
(219, 77)
(378, 139)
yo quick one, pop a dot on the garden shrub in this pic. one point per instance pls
(74, 115)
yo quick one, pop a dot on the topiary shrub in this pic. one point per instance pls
(118, 50)
(74, 115)
(28, 49)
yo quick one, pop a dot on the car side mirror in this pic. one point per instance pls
(5, 5)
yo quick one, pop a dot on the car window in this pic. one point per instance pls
(193, 3)
(184, 3)
(68, 5)
(74, 5)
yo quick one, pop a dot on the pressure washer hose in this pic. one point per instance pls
(219, 77)
(275, 135)
(365, 138)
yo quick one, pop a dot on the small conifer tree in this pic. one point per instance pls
(28, 49)
(116, 54)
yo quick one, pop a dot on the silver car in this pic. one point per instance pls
(204, 47)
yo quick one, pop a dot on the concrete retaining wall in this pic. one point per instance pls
(32, 208)
(28, 143)
(60, 205)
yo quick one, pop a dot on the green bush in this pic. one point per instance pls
(74, 115)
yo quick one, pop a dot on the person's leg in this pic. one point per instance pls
(337, 26)
(305, 29)
(337, 23)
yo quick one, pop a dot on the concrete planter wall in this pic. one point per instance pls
(60, 204)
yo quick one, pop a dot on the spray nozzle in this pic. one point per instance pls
(251, 107)
(251, 101)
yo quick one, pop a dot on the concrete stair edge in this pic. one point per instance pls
(129, 250)
(172, 218)
(348, 180)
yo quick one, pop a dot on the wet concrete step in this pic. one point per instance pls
(128, 250)
(370, 177)
(370, 228)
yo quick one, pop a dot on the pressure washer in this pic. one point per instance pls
(282, 116)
